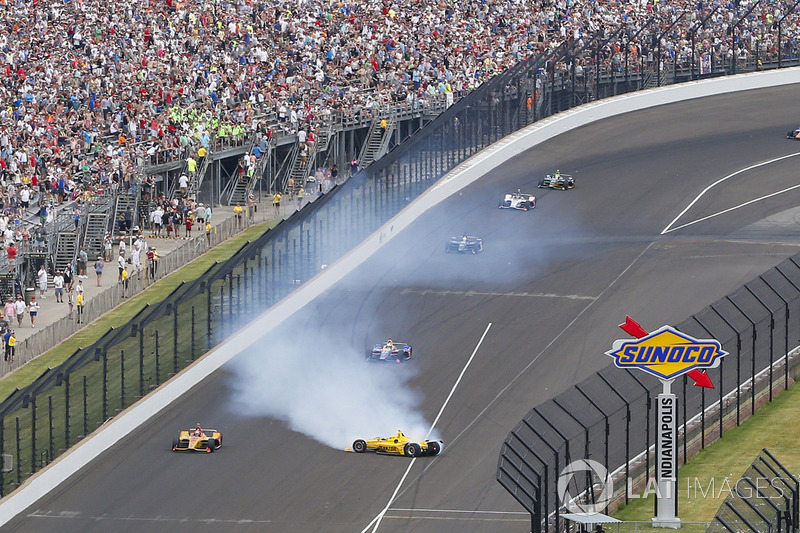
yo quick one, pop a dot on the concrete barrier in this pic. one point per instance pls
(474, 168)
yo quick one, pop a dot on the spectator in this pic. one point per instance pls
(19, 309)
(69, 276)
(6, 345)
(251, 208)
(121, 262)
(10, 310)
(98, 269)
(58, 285)
(276, 203)
(124, 281)
(42, 278)
(33, 310)
(11, 345)
(237, 211)
(83, 258)
(79, 303)
(11, 251)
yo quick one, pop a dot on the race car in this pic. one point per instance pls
(557, 181)
(518, 200)
(794, 134)
(464, 244)
(390, 352)
(397, 445)
(198, 440)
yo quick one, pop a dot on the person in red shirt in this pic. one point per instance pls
(12, 257)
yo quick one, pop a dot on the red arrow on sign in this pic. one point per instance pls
(632, 328)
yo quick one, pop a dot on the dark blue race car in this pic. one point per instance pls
(390, 352)
(466, 244)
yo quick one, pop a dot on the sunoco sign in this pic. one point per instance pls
(667, 353)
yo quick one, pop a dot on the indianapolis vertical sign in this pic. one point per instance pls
(667, 354)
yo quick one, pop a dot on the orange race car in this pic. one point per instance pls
(197, 440)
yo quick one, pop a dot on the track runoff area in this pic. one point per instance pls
(531, 324)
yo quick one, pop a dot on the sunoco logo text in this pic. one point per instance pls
(667, 353)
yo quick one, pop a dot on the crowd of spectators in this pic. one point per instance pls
(94, 90)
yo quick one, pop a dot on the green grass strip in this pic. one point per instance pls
(709, 476)
(120, 315)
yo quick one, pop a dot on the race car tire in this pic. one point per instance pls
(359, 446)
(434, 448)
(175, 444)
(412, 449)
(214, 443)
(210, 446)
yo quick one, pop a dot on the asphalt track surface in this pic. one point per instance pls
(553, 283)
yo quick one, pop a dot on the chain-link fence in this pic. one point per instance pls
(68, 402)
(610, 416)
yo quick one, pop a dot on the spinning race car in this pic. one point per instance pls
(557, 181)
(390, 352)
(518, 200)
(464, 244)
(397, 445)
(198, 440)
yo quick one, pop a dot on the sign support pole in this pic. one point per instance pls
(666, 458)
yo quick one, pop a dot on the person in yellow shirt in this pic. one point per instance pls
(124, 280)
(276, 202)
(238, 210)
(79, 302)
(12, 343)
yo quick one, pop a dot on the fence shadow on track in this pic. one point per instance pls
(67, 403)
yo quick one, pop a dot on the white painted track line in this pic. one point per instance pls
(669, 227)
(377, 520)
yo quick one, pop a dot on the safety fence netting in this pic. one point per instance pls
(610, 417)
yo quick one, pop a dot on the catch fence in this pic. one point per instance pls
(68, 402)
(610, 416)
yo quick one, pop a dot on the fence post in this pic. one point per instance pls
(738, 363)
(105, 385)
(208, 317)
(230, 304)
(33, 434)
(771, 337)
(221, 311)
(141, 360)
(785, 329)
(66, 411)
(85, 408)
(51, 444)
(2, 457)
(627, 430)
(122, 379)
(19, 454)
(175, 340)
(158, 366)
(191, 355)
(721, 382)
(752, 357)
